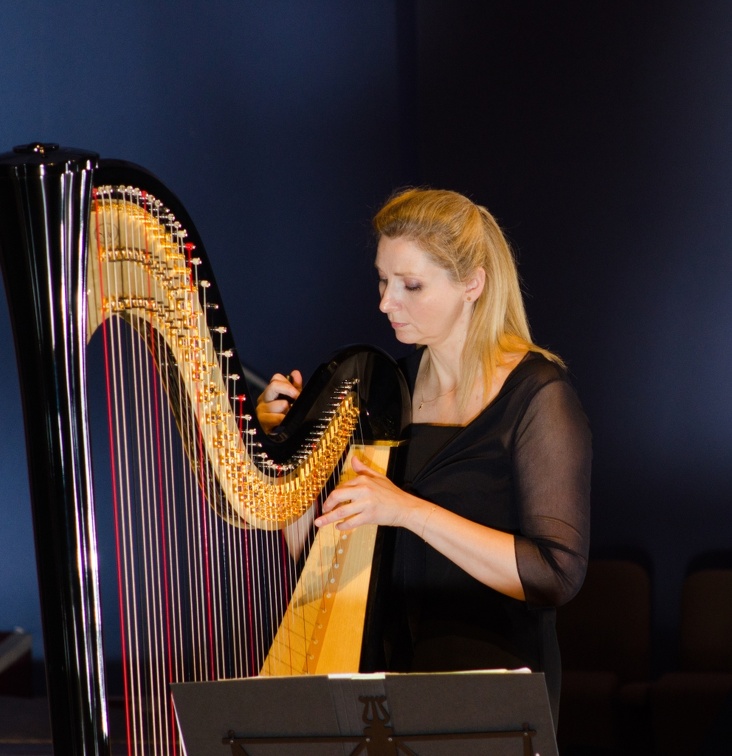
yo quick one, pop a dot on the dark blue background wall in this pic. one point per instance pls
(597, 133)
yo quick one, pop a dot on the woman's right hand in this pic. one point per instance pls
(274, 402)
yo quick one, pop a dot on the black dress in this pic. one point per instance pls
(521, 466)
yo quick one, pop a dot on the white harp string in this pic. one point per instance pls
(201, 593)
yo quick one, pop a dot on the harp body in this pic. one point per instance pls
(87, 245)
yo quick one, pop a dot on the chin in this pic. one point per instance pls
(404, 338)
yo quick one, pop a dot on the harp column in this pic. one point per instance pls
(44, 206)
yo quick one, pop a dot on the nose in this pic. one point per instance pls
(387, 303)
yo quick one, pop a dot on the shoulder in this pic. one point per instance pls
(544, 393)
(539, 383)
(536, 371)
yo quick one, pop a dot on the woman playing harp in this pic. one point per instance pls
(492, 518)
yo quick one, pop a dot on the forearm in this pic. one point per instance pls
(486, 554)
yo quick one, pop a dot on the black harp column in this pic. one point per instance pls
(44, 205)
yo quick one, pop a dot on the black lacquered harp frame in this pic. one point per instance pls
(46, 200)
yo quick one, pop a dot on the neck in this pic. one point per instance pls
(437, 382)
(439, 371)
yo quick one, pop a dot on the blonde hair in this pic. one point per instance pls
(461, 237)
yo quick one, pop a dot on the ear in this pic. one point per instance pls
(474, 285)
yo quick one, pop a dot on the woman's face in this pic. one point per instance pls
(423, 304)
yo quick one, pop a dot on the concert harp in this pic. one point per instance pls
(207, 587)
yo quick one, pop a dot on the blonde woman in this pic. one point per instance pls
(492, 516)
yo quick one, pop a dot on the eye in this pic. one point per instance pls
(413, 286)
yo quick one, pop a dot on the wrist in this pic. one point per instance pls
(426, 520)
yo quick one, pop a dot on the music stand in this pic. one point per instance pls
(481, 712)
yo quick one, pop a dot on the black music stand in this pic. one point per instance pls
(482, 712)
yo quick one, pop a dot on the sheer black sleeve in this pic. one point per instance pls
(552, 459)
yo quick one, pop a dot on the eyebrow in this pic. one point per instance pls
(401, 275)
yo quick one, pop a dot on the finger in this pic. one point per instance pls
(352, 484)
(296, 379)
(338, 498)
(270, 392)
(279, 386)
(343, 514)
(361, 468)
(325, 519)
(269, 420)
(290, 385)
(278, 406)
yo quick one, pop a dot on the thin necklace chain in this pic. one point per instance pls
(424, 401)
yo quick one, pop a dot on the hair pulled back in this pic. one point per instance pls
(460, 236)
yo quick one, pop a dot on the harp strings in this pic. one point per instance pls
(139, 475)
(167, 612)
(200, 595)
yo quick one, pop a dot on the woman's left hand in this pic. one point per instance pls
(369, 497)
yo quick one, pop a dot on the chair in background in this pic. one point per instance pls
(604, 634)
(686, 703)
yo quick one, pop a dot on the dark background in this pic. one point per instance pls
(598, 133)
